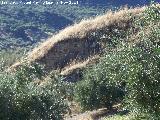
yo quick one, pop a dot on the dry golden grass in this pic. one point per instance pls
(92, 115)
(78, 65)
(55, 48)
(81, 29)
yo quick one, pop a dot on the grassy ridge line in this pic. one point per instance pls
(79, 65)
(80, 32)
(81, 29)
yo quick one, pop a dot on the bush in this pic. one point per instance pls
(143, 78)
(23, 100)
(97, 89)
(134, 68)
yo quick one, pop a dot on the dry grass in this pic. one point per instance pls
(52, 53)
(93, 115)
(81, 30)
(80, 65)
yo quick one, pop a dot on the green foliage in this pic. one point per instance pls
(150, 16)
(9, 57)
(29, 73)
(97, 89)
(144, 80)
(134, 68)
(23, 99)
(144, 70)
(130, 70)
(141, 67)
(24, 25)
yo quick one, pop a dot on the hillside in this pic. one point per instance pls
(22, 27)
(106, 67)
(82, 43)
(25, 25)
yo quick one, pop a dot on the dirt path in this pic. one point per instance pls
(93, 115)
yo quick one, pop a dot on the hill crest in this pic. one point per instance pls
(79, 42)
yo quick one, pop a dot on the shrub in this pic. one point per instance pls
(23, 100)
(97, 89)
(144, 68)
(143, 80)
(134, 68)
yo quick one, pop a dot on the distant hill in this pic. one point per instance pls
(116, 3)
(25, 25)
